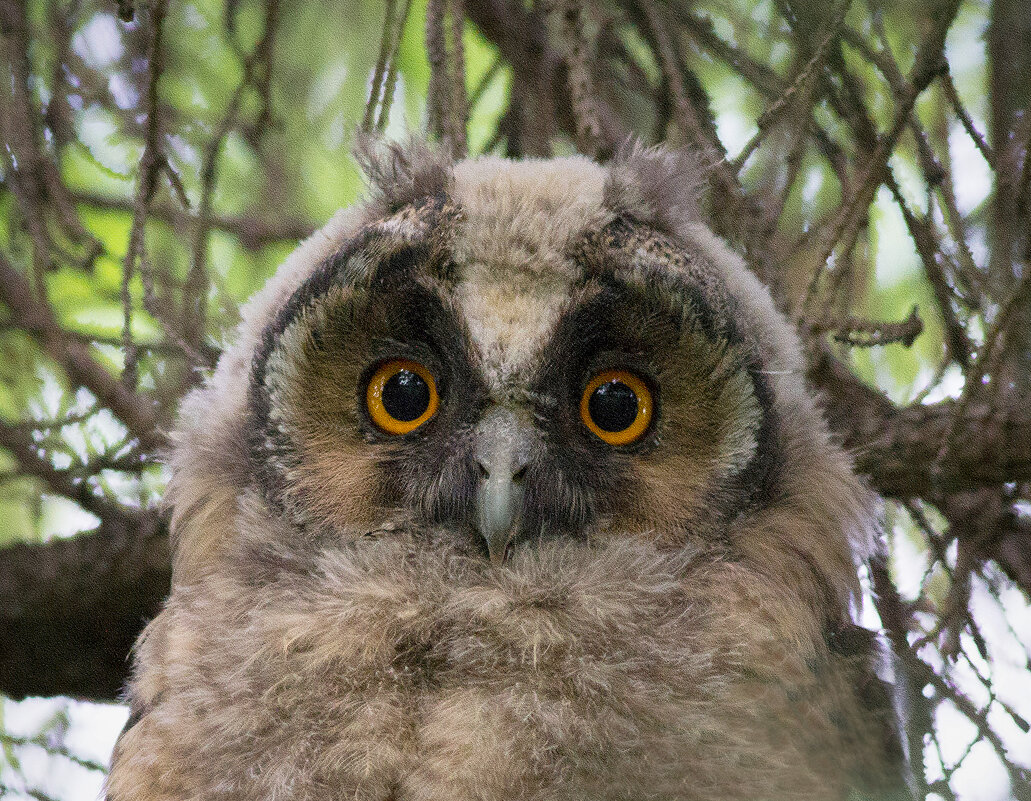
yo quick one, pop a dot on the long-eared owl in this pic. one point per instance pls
(511, 488)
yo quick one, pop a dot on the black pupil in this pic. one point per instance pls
(613, 406)
(406, 396)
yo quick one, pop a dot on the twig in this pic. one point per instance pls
(379, 73)
(151, 165)
(41, 742)
(390, 81)
(931, 255)
(801, 81)
(21, 446)
(994, 341)
(701, 29)
(252, 232)
(576, 54)
(865, 334)
(928, 65)
(484, 83)
(964, 117)
(195, 287)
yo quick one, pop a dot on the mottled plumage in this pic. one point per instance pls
(662, 619)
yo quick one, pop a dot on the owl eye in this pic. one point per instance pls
(401, 396)
(617, 407)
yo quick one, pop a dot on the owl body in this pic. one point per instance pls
(510, 489)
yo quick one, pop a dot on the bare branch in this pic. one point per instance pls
(253, 232)
(75, 607)
(865, 334)
(151, 165)
(577, 54)
(898, 447)
(31, 462)
(37, 319)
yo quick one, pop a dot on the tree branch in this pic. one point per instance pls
(70, 610)
(18, 441)
(898, 447)
(522, 38)
(253, 233)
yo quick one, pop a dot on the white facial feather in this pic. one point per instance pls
(515, 275)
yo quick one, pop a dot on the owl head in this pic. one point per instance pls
(514, 352)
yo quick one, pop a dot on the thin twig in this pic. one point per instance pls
(196, 285)
(41, 742)
(932, 255)
(37, 318)
(380, 71)
(22, 447)
(390, 82)
(865, 334)
(928, 65)
(964, 117)
(151, 165)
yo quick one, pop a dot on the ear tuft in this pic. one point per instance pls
(401, 173)
(655, 186)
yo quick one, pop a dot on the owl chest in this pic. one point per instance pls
(390, 686)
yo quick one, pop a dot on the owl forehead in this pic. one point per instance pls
(513, 271)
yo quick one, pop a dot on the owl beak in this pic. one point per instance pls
(503, 445)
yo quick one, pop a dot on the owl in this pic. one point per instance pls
(510, 488)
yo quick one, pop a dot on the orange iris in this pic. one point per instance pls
(617, 407)
(401, 396)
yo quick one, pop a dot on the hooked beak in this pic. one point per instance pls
(503, 446)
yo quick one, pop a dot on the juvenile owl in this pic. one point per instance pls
(510, 488)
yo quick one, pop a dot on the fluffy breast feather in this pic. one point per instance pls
(398, 667)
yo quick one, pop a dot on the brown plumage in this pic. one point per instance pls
(500, 604)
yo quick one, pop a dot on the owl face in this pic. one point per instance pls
(499, 362)
(514, 352)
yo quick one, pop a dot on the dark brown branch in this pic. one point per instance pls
(446, 98)
(252, 232)
(70, 610)
(521, 36)
(898, 447)
(18, 441)
(866, 334)
(577, 56)
(844, 226)
(932, 256)
(152, 163)
(379, 74)
(799, 84)
(20, 128)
